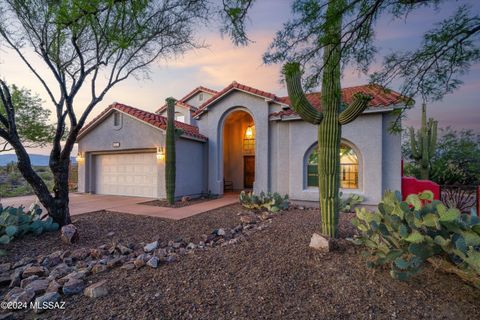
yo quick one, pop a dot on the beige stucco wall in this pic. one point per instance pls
(134, 136)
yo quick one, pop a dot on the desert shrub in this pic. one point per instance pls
(349, 203)
(272, 202)
(405, 234)
(15, 222)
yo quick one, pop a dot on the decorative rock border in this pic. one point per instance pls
(45, 278)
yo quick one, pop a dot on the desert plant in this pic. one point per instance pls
(349, 203)
(273, 202)
(170, 165)
(15, 222)
(330, 119)
(423, 143)
(406, 234)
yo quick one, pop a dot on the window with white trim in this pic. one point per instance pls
(348, 168)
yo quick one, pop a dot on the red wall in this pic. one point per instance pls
(412, 185)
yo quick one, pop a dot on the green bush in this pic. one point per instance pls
(405, 234)
(15, 222)
(272, 202)
(349, 203)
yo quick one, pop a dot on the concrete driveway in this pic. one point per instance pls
(85, 203)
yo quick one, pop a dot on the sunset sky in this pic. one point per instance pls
(222, 63)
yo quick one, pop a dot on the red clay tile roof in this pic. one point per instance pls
(188, 96)
(381, 98)
(236, 86)
(147, 117)
(178, 103)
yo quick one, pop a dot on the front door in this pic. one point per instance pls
(248, 171)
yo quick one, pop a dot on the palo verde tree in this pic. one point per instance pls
(325, 35)
(32, 120)
(422, 145)
(84, 45)
(170, 156)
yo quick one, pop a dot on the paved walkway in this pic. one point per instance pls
(85, 203)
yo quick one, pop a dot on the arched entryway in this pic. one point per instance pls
(238, 151)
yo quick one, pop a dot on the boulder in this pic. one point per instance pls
(96, 290)
(319, 243)
(73, 286)
(69, 234)
(42, 302)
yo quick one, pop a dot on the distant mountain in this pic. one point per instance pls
(36, 159)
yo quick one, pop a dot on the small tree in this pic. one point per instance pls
(170, 158)
(90, 45)
(34, 129)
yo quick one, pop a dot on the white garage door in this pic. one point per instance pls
(132, 174)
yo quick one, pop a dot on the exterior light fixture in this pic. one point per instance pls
(249, 132)
(79, 157)
(160, 154)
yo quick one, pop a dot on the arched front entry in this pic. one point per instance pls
(238, 151)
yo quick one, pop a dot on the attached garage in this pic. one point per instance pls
(127, 174)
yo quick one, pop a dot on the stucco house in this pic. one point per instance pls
(237, 138)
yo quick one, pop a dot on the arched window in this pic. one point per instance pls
(348, 168)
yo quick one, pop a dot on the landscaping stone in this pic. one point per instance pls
(319, 243)
(97, 290)
(22, 262)
(129, 266)
(220, 232)
(42, 302)
(115, 262)
(5, 267)
(5, 279)
(150, 246)
(53, 259)
(38, 286)
(35, 271)
(53, 286)
(185, 198)
(16, 278)
(123, 249)
(153, 262)
(191, 246)
(60, 271)
(25, 282)
(98, 268)
(161, 252)
(80, 254)
(69, 234)
(19, 295)
(7, 316)
(139, 262)
(110, 234)
(73, 286)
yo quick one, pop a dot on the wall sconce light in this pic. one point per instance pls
(160, 154)
(79, 157)
(249, 132)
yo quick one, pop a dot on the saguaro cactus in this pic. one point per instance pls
(170, 162)
(329, 120)
(423, 143)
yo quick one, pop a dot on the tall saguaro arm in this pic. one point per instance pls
(299, 102)
(359, 104)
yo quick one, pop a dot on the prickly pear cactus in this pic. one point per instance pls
(405, 234)
(272, 202)
(15, 222)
